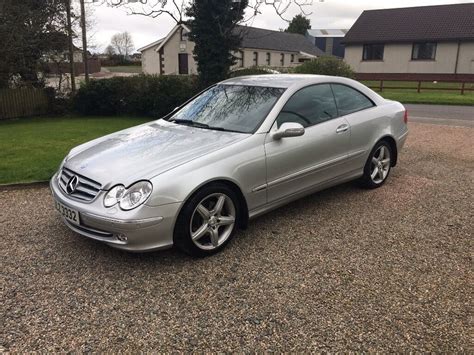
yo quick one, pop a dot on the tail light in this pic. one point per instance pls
(405, 117)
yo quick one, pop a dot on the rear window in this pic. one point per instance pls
(349, 100)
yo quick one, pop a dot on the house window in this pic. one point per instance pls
(423, 51)
(292, 58)
(255, 58)
(183, 36)
(282, 59)
(373, 52)
(268, 58)
(240, 59)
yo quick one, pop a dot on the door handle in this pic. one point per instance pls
(342, 128)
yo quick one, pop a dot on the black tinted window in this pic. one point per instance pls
(350, 100)
(309, 106)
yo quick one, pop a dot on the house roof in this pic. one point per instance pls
(151, 45)
(260, 38)
(424, 23)
(335, 32)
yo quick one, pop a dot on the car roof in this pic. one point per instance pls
(281, 80)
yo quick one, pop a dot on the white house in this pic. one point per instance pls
(260, 47)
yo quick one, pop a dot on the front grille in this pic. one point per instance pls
(86, 189)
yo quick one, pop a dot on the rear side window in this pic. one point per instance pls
(349, 100)
(309, 106)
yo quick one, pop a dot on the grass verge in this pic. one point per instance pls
(31, 149)
(434, 97)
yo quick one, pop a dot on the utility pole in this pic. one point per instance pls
(71, 46)
(84, 42)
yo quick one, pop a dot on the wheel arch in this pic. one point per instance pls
(244, 215)
(393, 146)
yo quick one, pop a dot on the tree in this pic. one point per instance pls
(110, 51)
(213, 32)
(299, 24)
(122, 43)
(30, 30)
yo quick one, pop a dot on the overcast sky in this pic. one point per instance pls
(326, 14)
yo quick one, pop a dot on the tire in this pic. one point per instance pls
(377, 168)
(207, 221)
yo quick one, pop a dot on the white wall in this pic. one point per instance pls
(397, 59)
(151, 61)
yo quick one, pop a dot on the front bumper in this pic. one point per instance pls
(145, 228)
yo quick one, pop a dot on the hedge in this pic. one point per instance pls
(326, 66)
(143, 95)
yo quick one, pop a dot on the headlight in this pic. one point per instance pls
(129, 198)
(114, 195)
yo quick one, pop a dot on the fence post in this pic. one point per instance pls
(462, 87)
(381, 85)
(418, 89)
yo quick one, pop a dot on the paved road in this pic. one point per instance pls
(347, 269)
(442, 114)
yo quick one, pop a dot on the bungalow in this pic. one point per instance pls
(420, 43)
(174, 53)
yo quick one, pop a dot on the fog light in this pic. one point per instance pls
(121, 237)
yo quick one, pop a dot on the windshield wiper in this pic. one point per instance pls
(202, 125)
(190, 123)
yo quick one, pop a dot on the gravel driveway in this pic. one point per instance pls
(344, 269)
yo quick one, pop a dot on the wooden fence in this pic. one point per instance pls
(23, 102)
(422, 82)
(461, 86)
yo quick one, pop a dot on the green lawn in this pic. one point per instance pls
(31, 149)
(436, 97)
(126, 69)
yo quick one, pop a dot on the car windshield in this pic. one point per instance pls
(229, 108)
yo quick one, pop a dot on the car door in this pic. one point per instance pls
(356, 108)
(295, 164)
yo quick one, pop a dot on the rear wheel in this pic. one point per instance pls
(378, 165)
(208, 220)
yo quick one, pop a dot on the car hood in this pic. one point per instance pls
(144, 151)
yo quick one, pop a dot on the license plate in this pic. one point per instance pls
(68, 213)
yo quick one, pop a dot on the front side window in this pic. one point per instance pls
(349, 100)
(424, 51)
(229, 107)
(373, 52)
(309, 106)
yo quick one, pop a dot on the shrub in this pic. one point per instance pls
(326, 66)
(143, 95)
(251, 71)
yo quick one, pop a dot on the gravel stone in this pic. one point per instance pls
(344, 269)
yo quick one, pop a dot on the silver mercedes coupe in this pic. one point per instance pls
(233, 152)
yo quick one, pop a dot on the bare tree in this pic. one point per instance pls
(176, 9)
(110, 51)
(122, 43)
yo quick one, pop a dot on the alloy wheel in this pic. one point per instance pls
(212, 221)
(380, 165)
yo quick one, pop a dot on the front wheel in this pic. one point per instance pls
(378, 165)
(208, 221)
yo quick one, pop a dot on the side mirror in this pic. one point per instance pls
(289, 129)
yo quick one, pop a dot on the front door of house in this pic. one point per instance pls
(183, 63)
